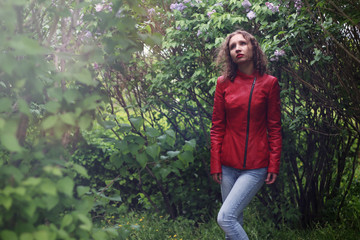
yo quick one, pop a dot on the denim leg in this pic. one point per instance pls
(238, 187)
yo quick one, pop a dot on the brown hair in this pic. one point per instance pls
(229, 68)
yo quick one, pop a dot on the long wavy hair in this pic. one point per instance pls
(229, 68)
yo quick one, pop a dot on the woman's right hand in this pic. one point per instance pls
(217, 177)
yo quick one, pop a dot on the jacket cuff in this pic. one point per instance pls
(273, 168)
(215, 166)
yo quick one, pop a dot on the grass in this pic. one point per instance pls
(146, 226)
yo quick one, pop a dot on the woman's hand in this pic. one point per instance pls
(217, 177)
(271, 177)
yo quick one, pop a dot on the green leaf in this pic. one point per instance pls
(91, 103)
(48, 187)
(8, 235)
(68, 118)
(84, 76)
(30, 209)
(24, 107)
(49, 122)
(124, 128)
(142, 159)
(72, 95)
(152, 132)
(5, 104)
(153, 151)
(55, 93)
(108, 124)
(100, 235)
(137, 122)
(173, 153)
(41, 235)
(164, 172)
(55, 170)
(66, 221)
(26, 236)
(9, 141)
(2, 123)
(189, 145)
(6, 201)
(85, 122)
(171, 133)
(81, 170)
(186, 158)
(82, 190)
(52, 107)
(87, 224)
(66, 186)
(27, 46)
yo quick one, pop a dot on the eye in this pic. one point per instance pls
(232, 46)
(243, 43)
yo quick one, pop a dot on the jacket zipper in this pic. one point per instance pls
(248, 122)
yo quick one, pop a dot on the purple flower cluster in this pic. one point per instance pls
(103, 6)
(199, 33)
(298, 4)
(272, 7)
(246, 4)
(211, 12)
(151, 11)
(178, 6)
(277, 54)
(250, 14)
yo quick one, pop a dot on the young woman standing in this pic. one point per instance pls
(246, 129)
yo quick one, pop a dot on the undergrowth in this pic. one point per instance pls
(145, 226)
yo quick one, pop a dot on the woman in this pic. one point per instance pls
(246, 129)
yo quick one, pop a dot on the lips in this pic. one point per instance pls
(239, 55)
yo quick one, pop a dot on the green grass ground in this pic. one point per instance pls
(147, 227)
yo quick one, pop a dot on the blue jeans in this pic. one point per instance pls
(238, 187)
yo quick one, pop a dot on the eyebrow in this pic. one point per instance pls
(240, 41)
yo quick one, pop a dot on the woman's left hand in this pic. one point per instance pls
(271, 177)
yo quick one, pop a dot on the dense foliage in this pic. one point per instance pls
(106, 108)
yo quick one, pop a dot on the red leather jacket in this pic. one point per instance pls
(246, 123)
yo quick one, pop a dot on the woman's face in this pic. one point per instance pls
(240, 50)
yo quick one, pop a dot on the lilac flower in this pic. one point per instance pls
(99, 7)
(211, 12)
(151, 11)
(103, 6)
(246, 4)
(272, 7)
(298, 4)
(178, 6)
(119, 13)
(186, 1)
(178, 27)
(279, 53)
(198, 33)
(251, 15)
(88, 34)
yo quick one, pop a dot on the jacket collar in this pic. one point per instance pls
(244, 76)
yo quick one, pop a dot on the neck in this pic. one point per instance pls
(248, 69)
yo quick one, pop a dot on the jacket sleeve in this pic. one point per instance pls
(217, 130)
(274, 127)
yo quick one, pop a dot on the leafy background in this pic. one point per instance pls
(105, 110)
